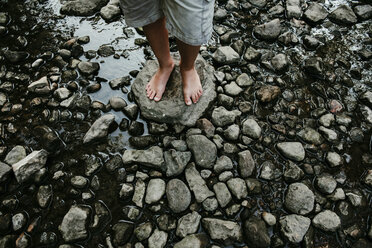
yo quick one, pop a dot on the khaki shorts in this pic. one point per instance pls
(191, 21)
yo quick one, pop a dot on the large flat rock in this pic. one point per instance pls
(172, 108)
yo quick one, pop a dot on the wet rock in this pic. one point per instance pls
(176, 162)
(268, 93)
(4, 171)
(110, 12)
(327, 221)
(367, 113)
(310, 43)
(33, 162)
(158, 239)
(105, 51)
(18, 221)
(172, 98)
(143, 231)
(326, 183)
(364, 12)
(88, 68)
(232, 89)
(368, 178)
(269, 171)
(119, 82)
(244, 80)
(226, 55)
(99, 129)
(188, 224)
(299, 199)
(280, 62)
(131, 111)
(293, 172)
(82, 7)
(343, 15)
(222, 194)
(16, 154)
(251, 128)
(79, 182)
(258, 3)
(310, 136)
(136, 128)
(223, 230)
(222, 117)
(197, 184)
(73, 226)
(126, 190)
(246, 163)
(40, 86)
(269, 218)
(223, 163)
(255, 232)
(15, 56)
(252, 54)
(203, 150)
(122, 232)
(355, 197)
(152, 157)
(314, 67)
(268, 31)
(117, 103)
(199, 240)
(293, 9)
(294, 227)
(139, 193)
(44, 195)
(315, 13)
(238, 188)
(292, 150)
(178, 195)
(232, 132)
(155, 190)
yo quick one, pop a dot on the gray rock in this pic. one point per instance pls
(269, 218)
(15, 56)
(44, 195)
(158, 239)
(244, 80)
(246, 163)
(326, 183)
(110, 12)
(79, 182)
(188, 224)
(232, 89)
(117, 103)
(3, 99)
(329, 134)
(88, 68)
(74, 223)
(327, 119)
(223, 230)
(315, 13)
(268, 93)
(327, 221)
(210, 204)
(199, 240)
(82, 7)
(126, 190)
(18, 221)
(268, 31)
(175, 162)
(32, 163)
(222, 117)
(172, 108)
(203, 150)
(368, 178)
(238, 188)
(62, 93)
(223, 163)
(310, 136)
(155, 190)
(222, 194)
(139, 193)
(143, 231)
(178, 195)
(367, 113)
(16, 154)
(269, 171)
(334, 159)
(292, 172)
(4, 171)
(232, 132)
(293, 9)
(99, 129)
(292, 150)
(197, 184)
(294, 227)
(343, 15)
(258, 3)
(255, 232)
(299, 199)
(152, 157)
(280, 62)
(251, 128)
(40, 86)
(119, 82)
(364, 12)
(226, 55)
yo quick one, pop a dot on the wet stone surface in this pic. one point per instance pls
(277, 152)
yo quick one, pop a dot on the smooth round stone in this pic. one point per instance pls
(155, 190)
(178, 195)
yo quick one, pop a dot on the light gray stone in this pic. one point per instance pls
(327, 221)
(176, 162)
(155, 190)
(226, 55)
(292, 150)
(223, 230)
(188, 224)
(152, 157)
(99, 129)
(32, 163)
(299, 199)
(222, 194)
(74, 223)
(197, 183)
(178, 195)
(203, 150)
(294, 227)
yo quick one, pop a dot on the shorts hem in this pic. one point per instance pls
(190, 41)
(143, 22)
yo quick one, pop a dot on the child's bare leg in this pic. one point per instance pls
(157, 35)
(192, 89)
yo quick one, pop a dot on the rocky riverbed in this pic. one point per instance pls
(277, 154)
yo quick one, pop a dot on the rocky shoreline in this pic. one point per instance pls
(279, 155)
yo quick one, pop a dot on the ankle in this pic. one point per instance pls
(167, 64)
(186, 67)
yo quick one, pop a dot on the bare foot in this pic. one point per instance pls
(192, 88)
(155, 88)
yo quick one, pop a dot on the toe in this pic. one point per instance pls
(152, 95)
(148, 92)
(194, 98)
(188, 101)
(158, 97)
